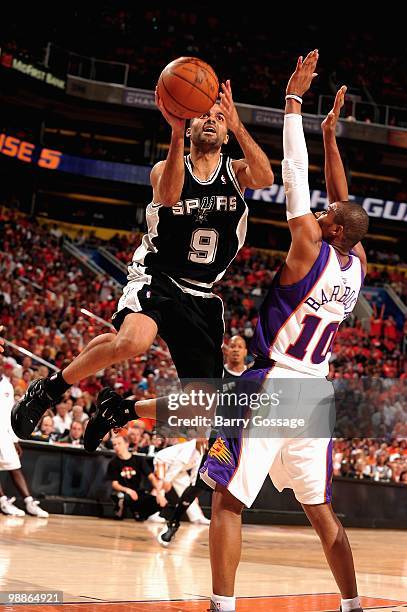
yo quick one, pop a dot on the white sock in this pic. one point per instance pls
(3, 498)
(350, 604)
(224, 604)
(28, 499)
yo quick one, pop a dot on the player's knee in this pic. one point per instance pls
(223, 500)
(127, 347)
(321, 517)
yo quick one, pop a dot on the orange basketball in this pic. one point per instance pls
(188, 87)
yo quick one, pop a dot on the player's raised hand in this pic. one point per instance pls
(177, 124)
(330, 121)
(228, 107)
(303, 75)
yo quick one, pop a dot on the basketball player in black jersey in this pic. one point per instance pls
(196, 225)
(236, 353)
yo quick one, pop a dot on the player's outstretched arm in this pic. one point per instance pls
(335, 177)
(167, 177)
(254, 171)
(306, 235)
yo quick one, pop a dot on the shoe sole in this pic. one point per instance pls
(24, 429)
(162, 542)
(91, 445)
(21, 432)
(98, 422)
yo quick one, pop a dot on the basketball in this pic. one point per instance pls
(188, 87)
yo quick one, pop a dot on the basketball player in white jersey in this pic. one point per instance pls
(177, 466)
(311, 294)
(10, 453)
(196, 225)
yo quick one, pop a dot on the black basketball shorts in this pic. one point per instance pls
(189, 321)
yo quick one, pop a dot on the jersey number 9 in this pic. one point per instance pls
(204, 243)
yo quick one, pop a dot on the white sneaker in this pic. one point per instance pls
(33, 508)
(201, 521)
(7, 507)
(156, 518)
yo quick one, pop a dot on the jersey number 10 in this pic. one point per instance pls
(310, 323)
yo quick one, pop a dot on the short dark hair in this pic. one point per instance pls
(354, 220)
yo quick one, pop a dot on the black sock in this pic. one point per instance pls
(161, 409)
(130, 405)
(187, 498)
(55, 385)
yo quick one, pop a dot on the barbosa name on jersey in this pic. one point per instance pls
(347, 296)
(215, 203)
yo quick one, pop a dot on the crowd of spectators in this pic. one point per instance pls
(395, 276)
(371, 459)
(42, 291)
(67, 421)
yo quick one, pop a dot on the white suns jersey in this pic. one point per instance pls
(178, 458)
(6, 404)
(298, 323)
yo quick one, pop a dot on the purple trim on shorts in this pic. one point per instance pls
(329, 473)
(220, 471)
(282, 300)
(224, 455)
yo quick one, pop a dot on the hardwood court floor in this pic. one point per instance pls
(107, 566)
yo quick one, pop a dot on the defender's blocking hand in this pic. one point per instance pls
(301, 79)
(330, 121)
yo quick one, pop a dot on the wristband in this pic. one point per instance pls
(294, 97)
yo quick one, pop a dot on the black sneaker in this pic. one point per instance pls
(108, 415)
(165, 536)
(28, 411)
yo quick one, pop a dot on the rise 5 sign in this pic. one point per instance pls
(29, 153)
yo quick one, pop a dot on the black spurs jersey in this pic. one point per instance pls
(230, 378)
(196, 239)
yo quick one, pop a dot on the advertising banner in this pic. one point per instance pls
(140, 175)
